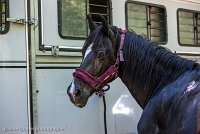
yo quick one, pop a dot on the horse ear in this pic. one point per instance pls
(112, 36)
(104, 24)
(91, 23)
(107, 30)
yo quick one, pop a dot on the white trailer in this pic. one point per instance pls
(40, 46)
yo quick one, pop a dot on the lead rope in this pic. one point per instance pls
(101, 93)
(105, 119)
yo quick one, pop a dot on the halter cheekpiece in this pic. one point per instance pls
(98, 83)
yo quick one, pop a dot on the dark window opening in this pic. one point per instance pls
(99, 7)
(4, 25)
(189, 27)
(147, 20)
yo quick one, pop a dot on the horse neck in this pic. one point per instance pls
(148, 68)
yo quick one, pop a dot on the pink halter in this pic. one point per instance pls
(110, 74)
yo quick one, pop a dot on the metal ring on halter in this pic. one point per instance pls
(108, 87)
(103, 90)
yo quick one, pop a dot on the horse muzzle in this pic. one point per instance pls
(76, 96)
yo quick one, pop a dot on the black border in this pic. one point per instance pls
(30, 67)
(178, 35)
(187, 54)
(87, 12)
(7, 26)
(110, 12)
(147, 4)
(13, 66)
(56, 67)
(41, 46)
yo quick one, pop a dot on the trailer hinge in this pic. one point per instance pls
(20, 21)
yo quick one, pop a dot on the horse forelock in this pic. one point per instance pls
(148, 67)
(100, 41)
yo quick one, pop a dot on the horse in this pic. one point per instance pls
(165, 85)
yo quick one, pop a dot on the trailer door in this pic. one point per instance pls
(56, 59)
(63, 30)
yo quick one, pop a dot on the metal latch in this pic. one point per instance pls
(55, 50)
(20, 21)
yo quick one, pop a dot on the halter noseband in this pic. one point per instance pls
(112, 72)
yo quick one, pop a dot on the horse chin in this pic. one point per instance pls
(80, 105)
(78, 102)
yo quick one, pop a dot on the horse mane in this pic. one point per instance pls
(148, 67)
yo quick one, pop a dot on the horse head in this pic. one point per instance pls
(98, 63)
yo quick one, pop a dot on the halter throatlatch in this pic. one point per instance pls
(98, 83)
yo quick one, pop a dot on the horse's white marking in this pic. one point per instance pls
(89, 49)
(192, 85)
(72, 87)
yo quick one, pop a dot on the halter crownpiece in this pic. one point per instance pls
(98, 83)
(120, 51)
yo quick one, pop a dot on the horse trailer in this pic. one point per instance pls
(40, 44)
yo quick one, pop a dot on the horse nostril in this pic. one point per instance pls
(78, 93)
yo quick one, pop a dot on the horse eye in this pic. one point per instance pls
(101, 55)
(81, 82)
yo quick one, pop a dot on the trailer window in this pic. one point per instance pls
(147, 20)
(188, 27)
(4, 25)
(72, 16)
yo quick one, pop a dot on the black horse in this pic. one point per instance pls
(166, 86)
